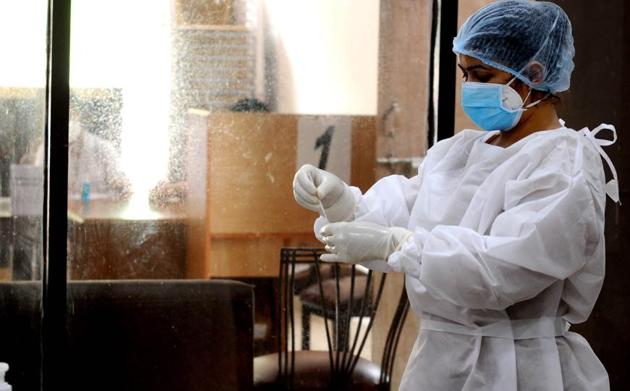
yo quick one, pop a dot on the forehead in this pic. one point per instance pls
(467, 61)
(472, 64)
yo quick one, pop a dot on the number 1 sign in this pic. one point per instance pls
(326, 142)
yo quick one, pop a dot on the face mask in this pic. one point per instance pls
(494, 106)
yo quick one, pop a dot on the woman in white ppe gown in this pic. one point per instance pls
(501, 234)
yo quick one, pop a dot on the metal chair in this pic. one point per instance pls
(340, 366)
(334, 285)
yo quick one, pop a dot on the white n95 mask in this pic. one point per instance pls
(494, 106)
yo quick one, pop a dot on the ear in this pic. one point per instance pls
(535, 72)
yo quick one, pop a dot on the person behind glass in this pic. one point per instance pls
(93, 170)
(501, 234)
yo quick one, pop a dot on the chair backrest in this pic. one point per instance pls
(137, 335)
(343, 355)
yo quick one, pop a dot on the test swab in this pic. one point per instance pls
(321, 206)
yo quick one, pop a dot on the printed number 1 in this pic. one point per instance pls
(324, 141)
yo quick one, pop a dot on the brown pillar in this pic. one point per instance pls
(403, 92)
(599, 93)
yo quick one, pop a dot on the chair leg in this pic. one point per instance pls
(344, 334)
(306, 328)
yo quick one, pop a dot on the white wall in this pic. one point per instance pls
(23, 43)
(326, 55)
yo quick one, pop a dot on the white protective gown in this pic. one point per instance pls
(507, 251)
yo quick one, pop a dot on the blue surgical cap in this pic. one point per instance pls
(512, 35)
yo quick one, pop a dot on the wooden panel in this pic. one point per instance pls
(245, 257)
(362, 172)
(196, 249)
(251, 165)
(196, 201)
(251, 212)
(252, 160)
(252, 255)
(125, 240)
(126, 249)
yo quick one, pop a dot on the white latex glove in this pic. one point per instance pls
(360, 242)
(323, 192)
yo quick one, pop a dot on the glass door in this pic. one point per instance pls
(23, 68)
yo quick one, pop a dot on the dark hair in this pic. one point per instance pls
(249, 105)
(555, 99)
(547, 96)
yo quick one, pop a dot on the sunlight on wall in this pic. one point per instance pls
(126, 44)
(327, 63)
(327, 55)
(24, 59)
(115, 44)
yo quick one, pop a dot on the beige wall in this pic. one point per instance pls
(404, 55)
(326, 54)
(466, 8)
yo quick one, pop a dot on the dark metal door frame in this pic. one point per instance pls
(444, 27)
(53, 338)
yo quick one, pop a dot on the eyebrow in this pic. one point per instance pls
(473, 67)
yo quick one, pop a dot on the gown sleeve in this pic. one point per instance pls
(388, 202)
(547, 231)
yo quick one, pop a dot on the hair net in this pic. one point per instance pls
(512, 35)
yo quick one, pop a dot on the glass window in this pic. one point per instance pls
(120, 104)
(187, 123)
(185, 132)
(22, 119)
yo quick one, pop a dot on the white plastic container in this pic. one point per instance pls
(4, 386)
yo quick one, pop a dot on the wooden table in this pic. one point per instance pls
(125, 240)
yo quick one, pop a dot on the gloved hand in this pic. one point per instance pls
(359, 242)
(321, 191)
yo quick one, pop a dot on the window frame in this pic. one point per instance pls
(55, 206)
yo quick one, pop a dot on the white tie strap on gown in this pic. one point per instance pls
(612, 186)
